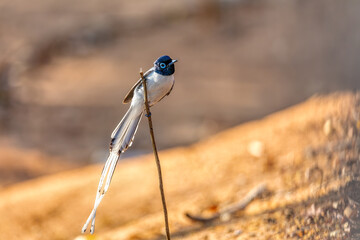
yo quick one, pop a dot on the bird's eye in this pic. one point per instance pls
(162, 65)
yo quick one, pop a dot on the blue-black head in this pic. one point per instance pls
(164, 65)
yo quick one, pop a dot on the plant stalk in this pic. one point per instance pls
(148, 115)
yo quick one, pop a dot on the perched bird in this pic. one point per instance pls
(159, 81)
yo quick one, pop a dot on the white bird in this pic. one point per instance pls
(159, 81)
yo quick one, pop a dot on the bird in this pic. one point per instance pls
(159, 82)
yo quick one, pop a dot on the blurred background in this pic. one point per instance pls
(65, 67)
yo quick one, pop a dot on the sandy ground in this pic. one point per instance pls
(65, 67)
(305, 155)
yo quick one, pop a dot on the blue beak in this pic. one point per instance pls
(172, 62)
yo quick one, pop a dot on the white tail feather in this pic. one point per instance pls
(122, 138)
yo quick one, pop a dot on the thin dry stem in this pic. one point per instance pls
(148, 115)
(256, 191)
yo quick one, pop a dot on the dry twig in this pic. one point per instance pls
(232, 208)
(148, 115)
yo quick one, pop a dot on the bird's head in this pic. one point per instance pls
(164, 65)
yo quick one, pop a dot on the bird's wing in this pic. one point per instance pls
(130, 94)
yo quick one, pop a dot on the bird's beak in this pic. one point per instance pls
(172, 62)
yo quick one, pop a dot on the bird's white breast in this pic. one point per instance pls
(157, 87)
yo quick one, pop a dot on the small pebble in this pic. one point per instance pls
(334, 233)
(346, 227)
(225, 217)
(328, 127)
(80, 238)
(256, 148)
(237, 232)
(348, 211)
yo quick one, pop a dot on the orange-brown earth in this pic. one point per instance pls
(305, 155)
